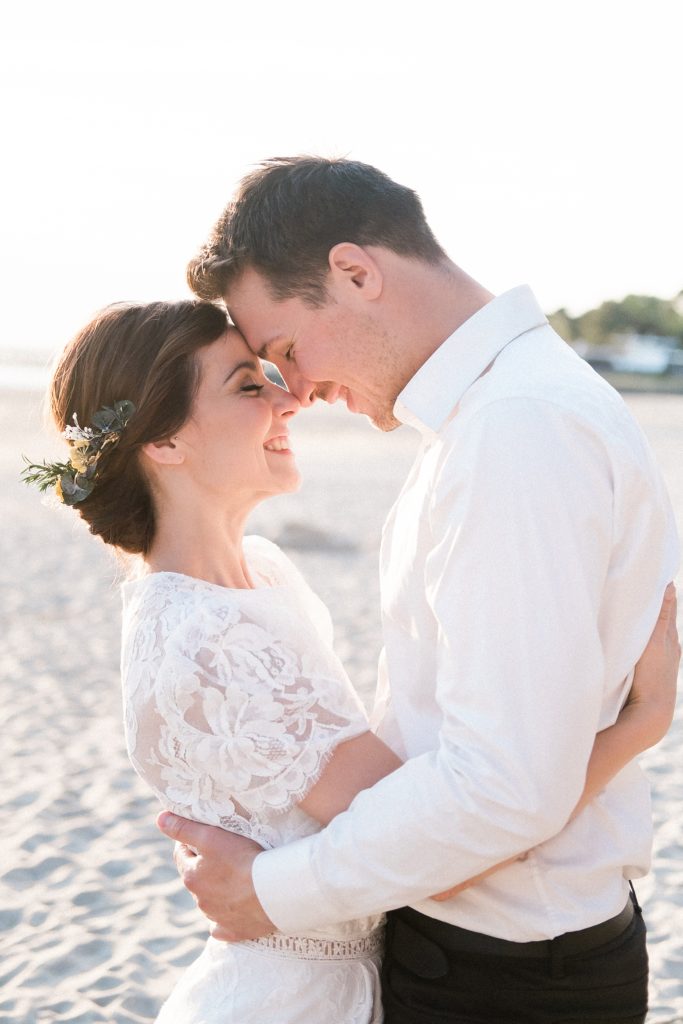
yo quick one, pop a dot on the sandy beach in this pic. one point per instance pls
(95, 925)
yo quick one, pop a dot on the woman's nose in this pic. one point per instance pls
(286, 403)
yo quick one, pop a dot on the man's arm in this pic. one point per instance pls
(520, 700)
(520, 522)
(360, 762)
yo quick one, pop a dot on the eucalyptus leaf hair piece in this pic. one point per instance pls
(74, 481)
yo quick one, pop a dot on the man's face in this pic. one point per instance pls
(335, 351)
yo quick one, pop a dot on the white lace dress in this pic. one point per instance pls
(233, 701)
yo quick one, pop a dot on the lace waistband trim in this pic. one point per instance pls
(304, 947)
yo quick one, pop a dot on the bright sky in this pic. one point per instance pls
(544, 138)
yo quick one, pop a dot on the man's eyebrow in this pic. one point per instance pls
(265, 348)
(246, 364)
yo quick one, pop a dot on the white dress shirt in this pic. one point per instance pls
(522, 570)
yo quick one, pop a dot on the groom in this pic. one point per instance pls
(522, 571)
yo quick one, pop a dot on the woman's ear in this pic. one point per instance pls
(164, 453)
(353, 266)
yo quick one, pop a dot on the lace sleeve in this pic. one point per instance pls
(236, 722)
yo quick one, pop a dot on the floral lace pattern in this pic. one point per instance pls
(234, 699)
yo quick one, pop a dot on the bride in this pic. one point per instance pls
(237, 711)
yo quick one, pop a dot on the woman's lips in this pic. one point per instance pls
(279, 445)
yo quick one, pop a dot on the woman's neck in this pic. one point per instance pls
(208, 547)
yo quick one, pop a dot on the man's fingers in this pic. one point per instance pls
(183, 855)
(188, 833)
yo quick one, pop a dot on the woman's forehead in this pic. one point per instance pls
(218, 359)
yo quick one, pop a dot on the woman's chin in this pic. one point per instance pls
(295, 483)
(287, 484)
(291, 476)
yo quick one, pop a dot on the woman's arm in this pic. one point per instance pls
(361, 762)
(355, 765)
(645, 718)
(643, 721)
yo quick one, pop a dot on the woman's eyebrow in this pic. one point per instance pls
(246, 364)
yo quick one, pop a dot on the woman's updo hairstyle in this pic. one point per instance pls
(144, 354)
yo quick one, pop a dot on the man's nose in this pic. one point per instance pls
(301, 387)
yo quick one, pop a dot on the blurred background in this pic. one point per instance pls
(543, 138)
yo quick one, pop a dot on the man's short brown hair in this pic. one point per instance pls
(289, 213)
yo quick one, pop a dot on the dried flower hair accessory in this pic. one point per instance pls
(74, 480)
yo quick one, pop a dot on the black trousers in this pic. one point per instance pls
(423, 985)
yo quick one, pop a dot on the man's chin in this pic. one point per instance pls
(384, 421)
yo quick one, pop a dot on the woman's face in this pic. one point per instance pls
(235, 445)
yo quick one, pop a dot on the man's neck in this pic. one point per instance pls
(437, 300)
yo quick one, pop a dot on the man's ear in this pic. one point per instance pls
(164, 453)
(352, 265)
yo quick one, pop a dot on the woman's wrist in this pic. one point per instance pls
(647, 722)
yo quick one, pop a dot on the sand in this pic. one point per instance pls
(94, 923)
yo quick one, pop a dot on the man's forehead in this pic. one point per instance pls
(254, 314)
(260, 339)
(258, 333)
(262, 344)
(250, 292)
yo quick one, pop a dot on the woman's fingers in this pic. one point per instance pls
(665, 627)
(664, 640)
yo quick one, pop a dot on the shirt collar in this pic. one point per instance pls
(431, 395)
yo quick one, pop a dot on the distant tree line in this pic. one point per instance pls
(636, 314)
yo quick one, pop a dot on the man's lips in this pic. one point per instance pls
(329, 392)
(350, 401)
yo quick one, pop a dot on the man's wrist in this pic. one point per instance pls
(287, 888)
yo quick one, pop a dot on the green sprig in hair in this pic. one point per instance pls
(74, 480)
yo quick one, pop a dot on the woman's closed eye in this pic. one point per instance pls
(254, 388)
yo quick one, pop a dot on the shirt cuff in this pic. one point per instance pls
(288, 890)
